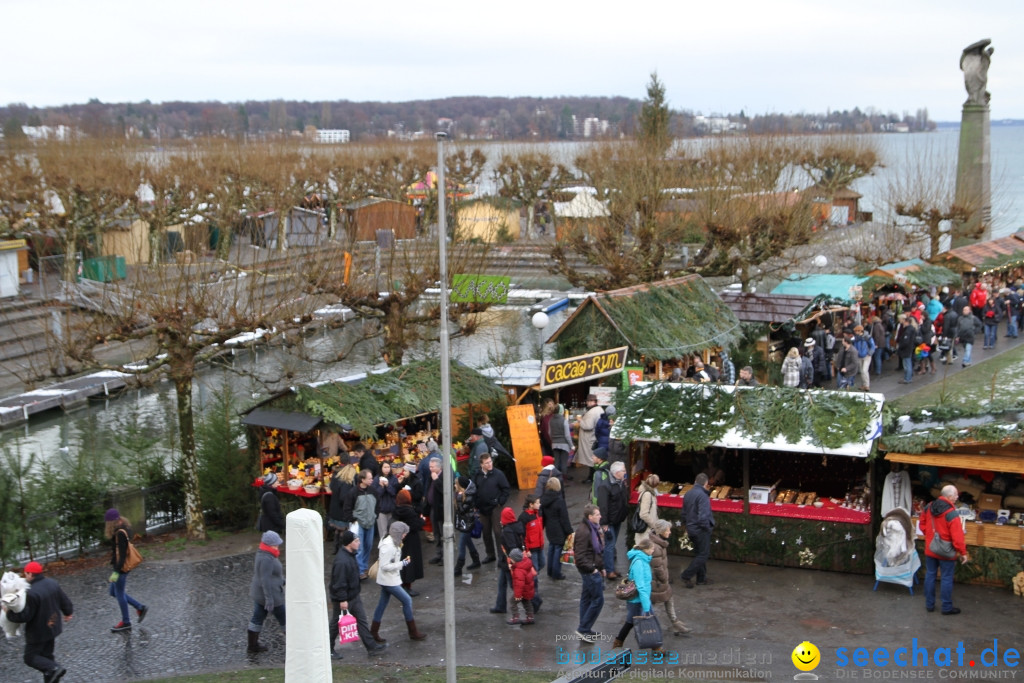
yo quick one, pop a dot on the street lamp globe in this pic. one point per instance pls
(820, 261)
(540, 320)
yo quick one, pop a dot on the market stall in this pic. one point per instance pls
(983, 456)
(299, 433)
(790, 469)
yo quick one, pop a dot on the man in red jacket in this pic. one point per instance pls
(943, 544)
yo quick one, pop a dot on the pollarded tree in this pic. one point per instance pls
(529, 178)
(926, 194)
(833, 162)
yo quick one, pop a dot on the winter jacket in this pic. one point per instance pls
(513, 535)
(271, 517)
(267, 586)
(640, 573)
(344, 576)
(389, 563)
(944, 520)
(411, 546)
(119, 546)
(966, 328)
(588, 558)
(533, 526)
(338, 491)
(45, 602)
(991, 313)
(878, 333)
(906, 341)
(545, 474)
(361, 506)
(557, 526)
(386, 494)
(647, 501)
(478, 448)
(368, 461)
(697, 509)
(846, 361)
(602, 430)
(523, 573)
(864, 344)
(613, 499)
(492, 490)
(791, 372)
(601, 477)
(661, 591)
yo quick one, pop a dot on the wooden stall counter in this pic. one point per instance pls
(667, 500)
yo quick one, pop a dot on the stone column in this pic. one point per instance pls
(974, 170)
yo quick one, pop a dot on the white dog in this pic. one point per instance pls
(12, 597)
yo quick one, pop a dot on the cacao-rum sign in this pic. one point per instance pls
(573, 370)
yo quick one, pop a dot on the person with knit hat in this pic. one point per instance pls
(524, 578)
(271, 517)
(344, 592)
(465, 510)
(513, 535)
(267, 588)
(117, 529)
(405, 512)
(547, 471)
(389, 567)
(45, 604)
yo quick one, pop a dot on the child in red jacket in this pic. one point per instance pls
(523, 575)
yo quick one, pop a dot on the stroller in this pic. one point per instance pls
(945, 349)
(896, 558)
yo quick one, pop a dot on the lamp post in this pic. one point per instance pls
(540, 321)
(448, 528)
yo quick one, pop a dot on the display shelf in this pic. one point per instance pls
(666, 500)
(829, 512)
(988, 535)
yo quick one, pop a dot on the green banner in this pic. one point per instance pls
(480, 289)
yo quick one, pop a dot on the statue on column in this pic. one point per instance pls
(974, 63)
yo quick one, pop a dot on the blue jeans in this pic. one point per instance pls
(537, 557)
(466, 541)
(591, 601)
(385, 597)
(876, 360)
(1011, 326)
(967, 353)
(908, 369)
(554, 559)
(991, 333)
(117, 590)
(610, 539)
(504, 583)
(259, 614)
(365, 547)
(945, 567)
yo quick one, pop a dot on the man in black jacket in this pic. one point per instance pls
(612, 500)
(588, 549)
(45, 602)
(699, 523)
(492, 491)
(344, 591)
(271, 517)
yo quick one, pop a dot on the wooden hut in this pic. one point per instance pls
(363, 218)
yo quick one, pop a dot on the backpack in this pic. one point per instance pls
(601, 477)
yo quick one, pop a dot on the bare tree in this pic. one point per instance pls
(833, 162)
(528, 177)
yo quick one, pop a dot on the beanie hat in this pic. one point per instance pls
(33, 568)
(464, 480)
(609, 411)
(271, 538)
(477, 431)
(516, 555)
(347, 537)
(601, 453)
(410, 467)
(269, 479)
(547, 460)
(111, 515)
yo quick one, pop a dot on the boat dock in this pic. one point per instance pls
(68, 395)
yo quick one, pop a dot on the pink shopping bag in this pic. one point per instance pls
(347, 628)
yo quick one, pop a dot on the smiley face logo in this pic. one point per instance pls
(806, 656)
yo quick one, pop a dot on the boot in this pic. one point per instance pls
(414, 633)
(679, 628)
(458, 567)
(409, 590)
(374, 628)
(623, 632)
(254, 642)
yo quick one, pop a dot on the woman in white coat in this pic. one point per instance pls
(389, 577)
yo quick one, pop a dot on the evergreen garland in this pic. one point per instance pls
(944, 434)
(692, 416)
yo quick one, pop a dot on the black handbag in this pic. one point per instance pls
(636, 523)
(648, 631)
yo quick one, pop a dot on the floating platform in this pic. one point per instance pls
(68, 395)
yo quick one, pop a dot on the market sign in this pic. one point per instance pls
(480, 289)
(567, 371)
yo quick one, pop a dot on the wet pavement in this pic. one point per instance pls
(745, 625)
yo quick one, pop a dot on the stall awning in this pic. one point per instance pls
(281, 419)
(979, 460)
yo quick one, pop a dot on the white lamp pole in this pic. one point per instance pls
(448, 529)
(540, 321)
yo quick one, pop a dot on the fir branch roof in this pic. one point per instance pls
(659, 320)
(695, 416)
(948, 427)
(403, 392)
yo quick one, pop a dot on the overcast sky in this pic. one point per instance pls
(777, 56)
